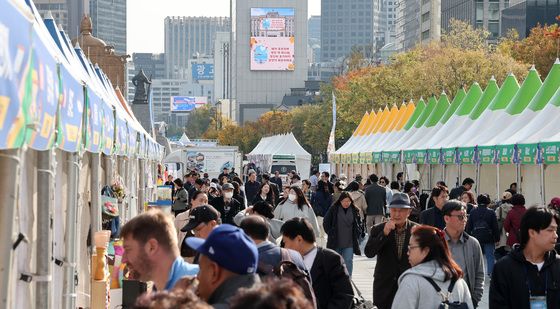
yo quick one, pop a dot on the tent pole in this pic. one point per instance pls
(498, 181)
(95, 193)
(71, 232)
(459, 172)
(430, 181)
(543, 197)
(45, 194)
(518, 178)
(443, 173)
(10, 166)
(477, 178)
(141, 185)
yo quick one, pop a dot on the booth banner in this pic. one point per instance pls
(45, 95)
(132, 141)
(466, 155)
(142, 146)
(506, 154)
(449, 155)
(94, 114)
(121, 142)
(362, 157)
(487, 155)
(368, 157)
(421, 156)
(355, 158)
(108, 124)
(550, 152)
(409, 157)
(15, 80)
(528, 153)
(435, 156)
(70, 120)
(377, 157)
(394, 157)
(385, 156)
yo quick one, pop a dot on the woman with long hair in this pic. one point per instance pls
(468, 198)
(414, 202)
(342, 224)
(297, 206)
(265, 210)
(265, 194)
(433, 269)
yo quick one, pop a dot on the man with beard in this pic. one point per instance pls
(151, 251)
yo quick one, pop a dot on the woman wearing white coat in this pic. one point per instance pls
(297, 206)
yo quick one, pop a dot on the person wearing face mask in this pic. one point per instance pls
(297, 206)
(227, 205)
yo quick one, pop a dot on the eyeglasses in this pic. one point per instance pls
(412, 247)
(460, 217)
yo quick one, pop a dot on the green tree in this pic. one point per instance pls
(198, 123)
(462, 35)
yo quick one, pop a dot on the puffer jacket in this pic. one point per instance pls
(416, 292)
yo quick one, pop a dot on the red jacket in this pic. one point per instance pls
(513, 223)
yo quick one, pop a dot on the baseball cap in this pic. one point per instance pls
(227, 186)
(400, 200)
(200, 214)
(506, 196)
(229, 247)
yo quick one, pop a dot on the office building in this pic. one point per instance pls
(384, 19)
(525, 15)
(417, 22)
(222, 66)
(479, 13)
(344, 25)
(188, 36)
(67, 13)
(109, 22)
(270, 54)
(152, 64)
(314, 40)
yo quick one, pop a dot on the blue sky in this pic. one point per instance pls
(145, 19)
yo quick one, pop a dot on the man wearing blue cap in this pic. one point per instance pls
(228, 262)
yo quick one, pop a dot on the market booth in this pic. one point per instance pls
(65, 134)
(497, 135)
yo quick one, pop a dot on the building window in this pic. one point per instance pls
(425, 35)
(494, 29)
(479, 11)
(494, 10)
(425, 16)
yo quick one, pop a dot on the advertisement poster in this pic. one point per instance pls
(203, 71)
(187, 104)
(272, 39)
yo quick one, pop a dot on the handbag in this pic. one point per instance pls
(359, 302)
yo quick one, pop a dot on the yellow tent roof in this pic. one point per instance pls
(410, 107)
(362, 124)
(373, 121)
(381, 120)
(390, 118)
(398, 118)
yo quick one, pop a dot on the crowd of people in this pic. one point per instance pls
(290, 244)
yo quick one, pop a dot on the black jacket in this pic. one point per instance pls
(227, 217)
(508, 288)
(330, 226)
(376, 198)
(331, 283)
(221, 296)
(389, 267)
(432, 217)
(482, 213)
(456, 193)
(251, 190)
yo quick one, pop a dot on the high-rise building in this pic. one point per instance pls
(346, 24)
(187, 36)
(270, 54)
(152, 64)
(109, 22)
(417, 22)
(67, 13)
(222, 66)
(384, 19)
(314, 40)
(525, 15)
(479, 13)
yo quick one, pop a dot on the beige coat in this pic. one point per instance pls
(359, 201)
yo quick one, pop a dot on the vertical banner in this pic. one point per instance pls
(108, 128)
(94, 117)
(70, 116)
(331, 145)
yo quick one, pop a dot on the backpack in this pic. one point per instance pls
(445, 304)
(287, 269)
(482, 232)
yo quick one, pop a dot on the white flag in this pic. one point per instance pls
(331, 146)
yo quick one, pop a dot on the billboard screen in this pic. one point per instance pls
(202, 71)
(187, 104)
(272, 39)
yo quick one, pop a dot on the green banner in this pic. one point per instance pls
(527, 153)
(420, 156)
(395, 157)
(355, 158)
(506, 154)
(487, 154)
(550, 152)
(449, 155)
(434, 156)
(368, 157)
(376, 157)
(466, 155)
(409, 157)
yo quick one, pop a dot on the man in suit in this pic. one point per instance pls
(388, 241)
(331, 282)
(376, 198)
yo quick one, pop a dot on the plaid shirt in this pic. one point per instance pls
(400, 235)
(309, 195)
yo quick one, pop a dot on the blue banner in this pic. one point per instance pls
(122, 139)
(15, 82)
(71, 108)
(94, 121)
(202, 71)
(45, 94)
(108, 123)
(132, 141)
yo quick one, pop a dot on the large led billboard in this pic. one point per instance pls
(272, 39)
(187, 104)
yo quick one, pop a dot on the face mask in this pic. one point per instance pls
(292, 197)
(228, 194)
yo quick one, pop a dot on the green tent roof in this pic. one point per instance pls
(439, 110)
(549, 87)
(470, 100)
(555, 100)
(426, 113)
(506, 93)
(489, 94)
(526, 93)
(454, 105)
(420, 106)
